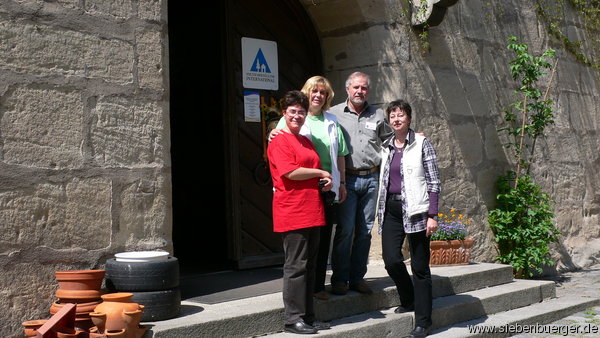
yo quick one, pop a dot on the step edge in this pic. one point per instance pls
(523, 316)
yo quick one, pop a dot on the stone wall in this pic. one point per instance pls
(459, 87)
(84, 142)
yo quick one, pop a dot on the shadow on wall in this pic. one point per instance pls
(471, 120)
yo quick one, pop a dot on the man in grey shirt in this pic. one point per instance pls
(365, 128)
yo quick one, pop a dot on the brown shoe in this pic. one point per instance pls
(322, 295)
(339, 289)
(361, 287)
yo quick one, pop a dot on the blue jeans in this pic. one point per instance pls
(352, 240)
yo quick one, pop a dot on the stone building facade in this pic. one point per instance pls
(85, 163)
(85, 124)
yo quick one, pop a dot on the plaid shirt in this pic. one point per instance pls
(418, 222)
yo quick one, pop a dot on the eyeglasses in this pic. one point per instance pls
(294, 112)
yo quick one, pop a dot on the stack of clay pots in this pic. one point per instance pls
(83, 288)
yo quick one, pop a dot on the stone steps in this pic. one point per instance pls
(461, 294)
(447, 310)
(535, 316)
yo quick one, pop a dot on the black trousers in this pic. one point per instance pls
(324, 244)
(417, 291)
(300, 248)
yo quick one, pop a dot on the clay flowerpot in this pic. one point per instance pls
(66, 333)
(117, 312)
(80, 279)
(78, 296)
(111, 333)
(116, 333)
(31, 326)
(455, 252)
(82, 309)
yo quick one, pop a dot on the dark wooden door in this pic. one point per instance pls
(253, 242)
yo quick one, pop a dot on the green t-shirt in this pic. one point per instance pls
(320, 139)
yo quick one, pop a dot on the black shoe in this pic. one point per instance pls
(320, 325)
(403, 309)
(300, 328)
(418, 332)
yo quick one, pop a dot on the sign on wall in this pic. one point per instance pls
(251, 106)
(260, 69)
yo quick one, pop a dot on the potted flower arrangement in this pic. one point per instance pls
(449, 244)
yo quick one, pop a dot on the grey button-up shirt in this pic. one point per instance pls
(364, 134)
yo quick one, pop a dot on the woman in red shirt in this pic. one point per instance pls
(298, 211)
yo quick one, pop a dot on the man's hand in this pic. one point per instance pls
(343, 193)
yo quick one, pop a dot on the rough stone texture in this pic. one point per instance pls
(50, 50)
(459, 87)
(84, 142)
(84, 131)
(126, 132)
(58, 215)
(42, 127)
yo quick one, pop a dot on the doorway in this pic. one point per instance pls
(197, 150)
(218, 156)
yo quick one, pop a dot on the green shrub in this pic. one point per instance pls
(522, 221)
(522, 225)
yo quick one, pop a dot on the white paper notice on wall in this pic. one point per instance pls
(260, 68)
(251, 106)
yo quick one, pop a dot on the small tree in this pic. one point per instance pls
(522, 221)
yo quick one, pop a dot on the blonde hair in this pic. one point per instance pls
(319, 81)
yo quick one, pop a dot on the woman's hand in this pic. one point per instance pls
(432, 226)
(273, 133)
(326, 177)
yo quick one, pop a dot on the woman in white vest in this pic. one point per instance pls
(407, 207)
(324, 131)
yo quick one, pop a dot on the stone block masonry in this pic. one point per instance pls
(84, 142)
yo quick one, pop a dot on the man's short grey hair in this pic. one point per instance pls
(357, 74)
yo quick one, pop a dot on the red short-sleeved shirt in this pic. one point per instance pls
(296, 204)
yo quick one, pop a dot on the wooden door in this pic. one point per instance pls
(253, 242)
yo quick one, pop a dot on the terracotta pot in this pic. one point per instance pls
(115, 333)
(66, 333)
(31, 326)
(94, 333)
(454, 252)
(78, 296)
(83, 323)
(80, 308)
(80, 279)
(117, 312)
